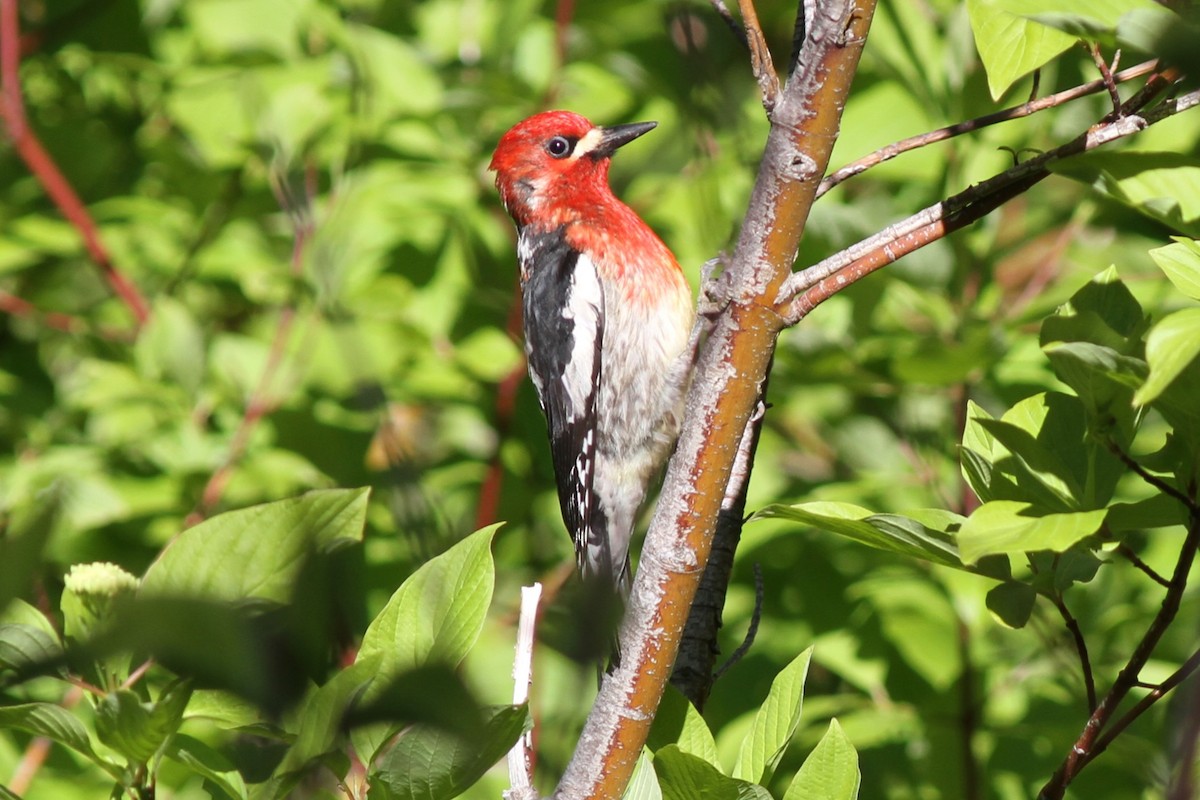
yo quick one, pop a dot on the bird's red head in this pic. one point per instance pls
(555, 165)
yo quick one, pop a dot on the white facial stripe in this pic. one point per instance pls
(589, 142)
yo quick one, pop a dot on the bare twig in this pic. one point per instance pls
(1089, 744)
(41, 164)
(1193, 508)
(760, 56)
(1106, 75)
(1085, 662)
(751, 629)
(1156, 693)
(1132, 557)
(520, 758)
(865, 163)
(693, 674)
(723, 12)
(805, 289)
(17, 307)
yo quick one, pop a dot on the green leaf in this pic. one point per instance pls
(171, 346)
(1084, 19)
(1171, 347)
(678, 722)
(1011, 45)
(138, 730)
(1163, 186)
(891, 532)
(1005, 526)
(321, 716)
(774, 724)
(57, 724)
(437, 614)
(257, 552)
(1181, 263)
(429, 764)
(1012, 602)
(22, 543)
(830, 772)
(644, 783)
(683, 776)
(203, 760)
(918, 619)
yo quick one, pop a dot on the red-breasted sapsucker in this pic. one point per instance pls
(607, 320)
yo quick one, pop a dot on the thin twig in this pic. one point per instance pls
(950, 131)
(1088, 745)
(805, 289)
(1106, 75)
(751, 629)
(1158, 483)
(1156, 693)
(38, 749)
(1085, 663)
(43, 167)
(67, 323)
(760, 56)
(727, 17)
(520, 757)
(1127, 551)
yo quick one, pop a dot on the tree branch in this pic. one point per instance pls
(1085, 662)
(865, 163)
(804, 290)
(40, 163)
(760, 56)
(693, 674)
(723, 395)
(1089, 744)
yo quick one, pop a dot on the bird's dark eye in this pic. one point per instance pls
(559, 147)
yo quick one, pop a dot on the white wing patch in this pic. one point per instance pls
(585, 307)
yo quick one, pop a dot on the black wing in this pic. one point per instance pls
(564, 330)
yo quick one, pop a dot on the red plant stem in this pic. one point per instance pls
(40, 163)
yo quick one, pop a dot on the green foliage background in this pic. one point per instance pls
(183, 124)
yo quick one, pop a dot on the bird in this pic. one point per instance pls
(608, 315)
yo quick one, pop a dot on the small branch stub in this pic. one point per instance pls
(520, 758)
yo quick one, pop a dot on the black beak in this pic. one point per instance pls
(615, 136)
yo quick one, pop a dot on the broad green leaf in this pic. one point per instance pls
(57, 724)
(208, 763)
(1171, 347)
(830, 772)
(171, 346)
(774, 724)
(891, 532)
(1085, 19)
(644, 783)
(22, 544)
(1181, 263)
(683, 776)
(1163, 186)
(437, 614)
(678, 722)
(320, 717)
(138, 730)
(429, 764)
(1012, 602)
(918, 620)
(257, 552)
(24, 646)
(1005, 526)
(26, 637)
(1011, 45)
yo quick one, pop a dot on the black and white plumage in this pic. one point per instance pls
(607, 320)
